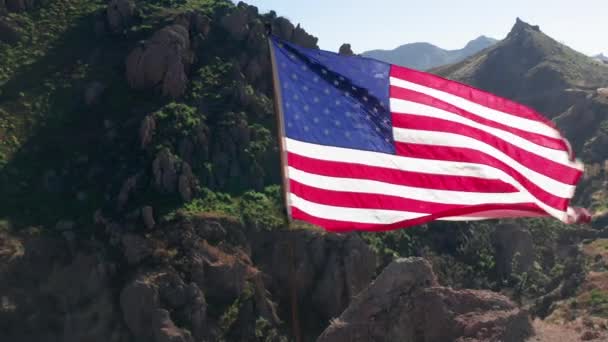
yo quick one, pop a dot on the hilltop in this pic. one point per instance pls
(423, 56)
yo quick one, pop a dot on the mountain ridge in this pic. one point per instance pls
(423, 55)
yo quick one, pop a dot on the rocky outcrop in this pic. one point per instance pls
(326, 270)
(119, 15)
(173, 175)
(161, 62)
(405, 303)
(514, 250)
(346, 50)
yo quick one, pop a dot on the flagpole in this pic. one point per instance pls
(280, 124)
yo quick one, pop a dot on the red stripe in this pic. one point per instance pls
(470, 93)
(344, 226)
(468, 155)
(560, 172)
(414, 96)
(364, 200)
(393, 176)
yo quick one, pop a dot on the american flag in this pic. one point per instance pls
(373, 146)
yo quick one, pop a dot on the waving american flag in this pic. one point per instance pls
(373, 146)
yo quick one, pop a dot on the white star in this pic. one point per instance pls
(304, 67)
(337, 123)
(305, 88)
(365, 98)
(285, 85)
(324, 71)
(338, 102)
(316, 79)
(306, 128)
(341, 78)
(289, 124)
(284, 65)
(377, 129)
(294, 76)
(336, 83)
(326, 132)
(306, 108)
(376, 110)
(292, 56)
(347, 134)
(315, 100)
(295, 96)
(316, 120)
(326, 91)
(354, 88)
(348, 114)
(297, 116)
(347, 94)
(369, 117)
(326, 111)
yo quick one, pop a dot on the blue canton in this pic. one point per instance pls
(334, 100)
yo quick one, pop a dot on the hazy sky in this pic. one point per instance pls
(386, 24)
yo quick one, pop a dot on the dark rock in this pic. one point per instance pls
(147, 216)
(164, 169)
(186, 184)
(162, 62)
(127, 188)
(405, 304)
(346, 50)
(119, 15)
(93, 93)
(146, 131)
(136, 248)
(236, 23)
(513, 245)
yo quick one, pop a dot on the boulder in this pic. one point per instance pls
(161, 62)
(405, 303)
(346, 50)
(119, 15)
(146, 130)
(147, 215)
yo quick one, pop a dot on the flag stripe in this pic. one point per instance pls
(489, 153)
(420, 161)
(524, 124)
(407, 107)
(363, 200)
(500, 105)
(459, 154)
(538, 139)
(349, 223)
(535, 162)
(398, 177)
(421, 194)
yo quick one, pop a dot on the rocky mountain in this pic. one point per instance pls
(139, 196)
(601, 57)
(565, 85)
(423, 56)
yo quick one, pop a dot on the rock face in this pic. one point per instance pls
(119, 15)
(328, 270)
(405, 304)
(346, 50)
(161, 62)
(514, 248)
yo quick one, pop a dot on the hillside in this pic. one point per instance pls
(423, 56)
(139, 196)
(601, 57)
(567, 86)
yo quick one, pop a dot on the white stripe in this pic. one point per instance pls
(558, 156)
(548, 184)
(440, 167)
(420, 194)
(377, 216)
(524, 124)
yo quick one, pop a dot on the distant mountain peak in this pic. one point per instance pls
(522, 27)
(423, 55)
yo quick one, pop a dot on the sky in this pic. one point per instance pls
(449, 24)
